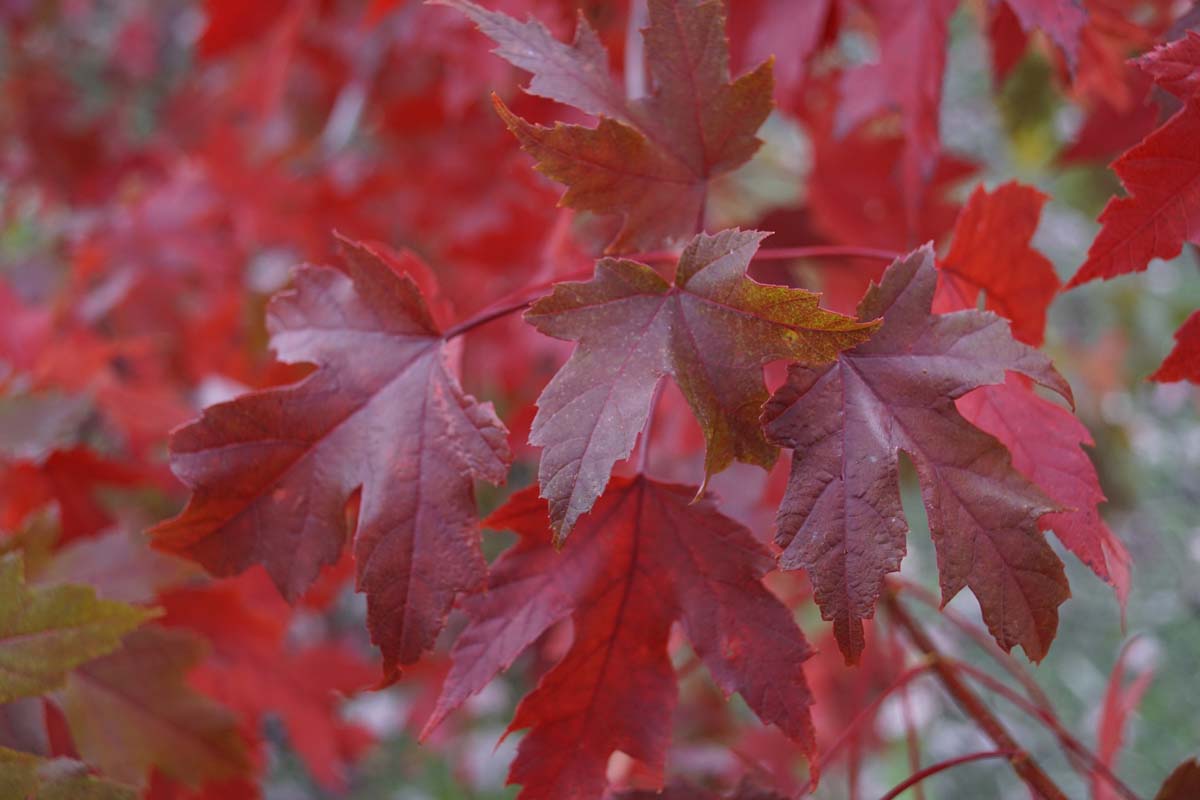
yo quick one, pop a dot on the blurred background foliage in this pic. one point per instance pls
(1105, 337)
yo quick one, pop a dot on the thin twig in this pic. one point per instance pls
(1022, 763)
(911, 741)
(981, 638)
(942, 766)
(865, 714)
(1068, 741)
(513, 301)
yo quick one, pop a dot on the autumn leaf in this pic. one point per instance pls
(141, 691)
(249, 640)
(1061, 20)
(44, 633)
(907, 78)
(992, 251)
(645, 557)
(648, 159)
(1183, 363)
(1046, 442)
(1175, 66)
(712, 331)
(841, 519)
(1121, 700)
(1183, 783)
(28, 777)
(1162, 211)
(272, 471)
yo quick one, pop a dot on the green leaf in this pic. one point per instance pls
(44, 633)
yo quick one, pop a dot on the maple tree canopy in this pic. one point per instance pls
(380, 380)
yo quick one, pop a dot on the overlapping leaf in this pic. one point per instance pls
(27, 777)
(1062, 20)
(1175, 66)
(841, 519)
(649, 159)
(141, 692)
(272, 472)
(44, 633)
(992, 251)
(645, 557)
(248, 639)
(913, 38)
(712, 330)
(1046, 442)
(1161, 175)
(1183, 362)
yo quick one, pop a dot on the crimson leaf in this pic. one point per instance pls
(645, 557)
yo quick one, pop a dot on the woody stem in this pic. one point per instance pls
(970, 703)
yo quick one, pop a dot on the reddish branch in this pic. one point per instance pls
(981, 638)
(514, 301)
(1022, 763)
(912, 743)
(1069, 743)
(523, 297)
(942, 766)
(863, 716)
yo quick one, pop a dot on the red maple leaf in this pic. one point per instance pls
(992, 252)
(649, 159)
(712, 330)
(272, 471)
(1183, 363)
(841, 519)
(907, 78)
(646, 556)
(1162, 176)
(1046, 442)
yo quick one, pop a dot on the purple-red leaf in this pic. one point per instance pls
(841, 519)
(1046, 442)
(648, 159)
(272, 472)
(712, 331)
